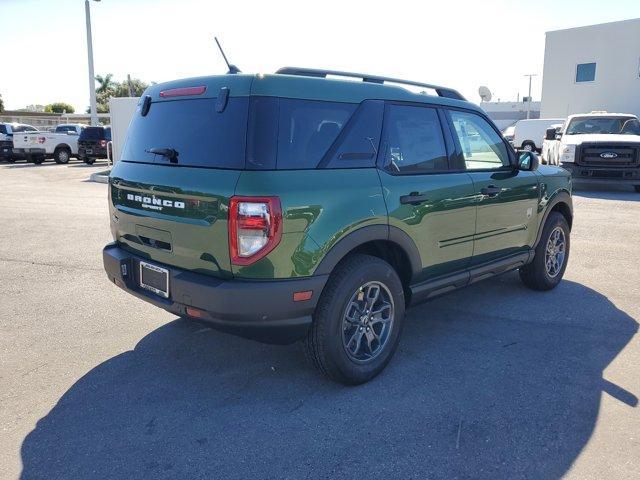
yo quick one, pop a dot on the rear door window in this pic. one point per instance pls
(413, 140)
(200, 135)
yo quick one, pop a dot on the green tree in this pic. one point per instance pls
(108, 88)
(59, 107)
(1, 104)
(106, 83)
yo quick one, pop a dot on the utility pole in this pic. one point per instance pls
(92, 80)
(529, 97)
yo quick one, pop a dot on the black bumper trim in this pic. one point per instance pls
(260, 310)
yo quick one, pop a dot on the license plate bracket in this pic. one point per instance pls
(154, 279)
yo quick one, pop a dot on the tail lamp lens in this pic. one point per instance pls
(255, 228)
(103, 143)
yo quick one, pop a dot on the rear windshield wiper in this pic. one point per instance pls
(169, 153)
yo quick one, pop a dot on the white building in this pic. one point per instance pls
(592, 68)
(505, 114)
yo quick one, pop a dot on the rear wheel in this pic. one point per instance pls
(62, 155)
(358, 320)
(551, 255)
(637, 188)
(89, 160)
(38, 159)
(528, 146)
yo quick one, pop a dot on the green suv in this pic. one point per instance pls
(306, 206)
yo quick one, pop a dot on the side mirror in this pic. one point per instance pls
(528, 161)
(550, 134)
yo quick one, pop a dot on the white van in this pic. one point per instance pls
(528, 134)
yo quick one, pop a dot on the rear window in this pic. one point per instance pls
(3, 129)
(200, 135)
(258, 133)
(92, 133)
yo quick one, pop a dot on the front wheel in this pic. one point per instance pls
(358, 320)
(551, 255)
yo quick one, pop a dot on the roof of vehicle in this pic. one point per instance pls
(81, 125)
(305, 87)
(601, 115)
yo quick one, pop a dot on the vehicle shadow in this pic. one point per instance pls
(621, 192)
(484, 385)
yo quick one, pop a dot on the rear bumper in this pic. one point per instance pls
(603, 175)
(96, 152)
(260, 310)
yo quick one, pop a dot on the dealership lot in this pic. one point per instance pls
(493, 381)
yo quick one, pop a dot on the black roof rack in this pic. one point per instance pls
(315, 72)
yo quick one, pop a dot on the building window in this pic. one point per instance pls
(585, 72)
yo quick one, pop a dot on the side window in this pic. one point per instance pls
(482, 147)
(357, 145)
(307, 129)
(413, 140)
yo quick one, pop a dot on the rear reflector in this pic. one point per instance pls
(302, 296)
(183, 91)
(194, 312)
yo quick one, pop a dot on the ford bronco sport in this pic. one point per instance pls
(293, 206)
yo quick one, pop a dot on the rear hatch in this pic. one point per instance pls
(172, 207)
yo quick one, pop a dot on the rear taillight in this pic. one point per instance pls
(103, 143)
(255, 228)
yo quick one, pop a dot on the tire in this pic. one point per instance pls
(636, 188)
(331, 334)
(38, 159)
(542, 273)
(89, 160)
(528, 146)
(62, 155)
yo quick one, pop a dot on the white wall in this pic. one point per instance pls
(614, 47)
(122, 110)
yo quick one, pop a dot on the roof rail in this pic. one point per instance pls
(315, 72)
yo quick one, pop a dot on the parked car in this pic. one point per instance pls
(528, 134)
(92, 143)
(60, 145)
(295, 207)
(550, 144)
(7, 130)
(599, 147)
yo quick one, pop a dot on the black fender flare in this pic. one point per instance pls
(367, 234)
(559, 197)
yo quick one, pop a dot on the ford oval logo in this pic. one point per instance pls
(609, 155)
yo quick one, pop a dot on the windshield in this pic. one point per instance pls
(604, 125)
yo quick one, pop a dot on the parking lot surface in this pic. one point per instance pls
(493, 381)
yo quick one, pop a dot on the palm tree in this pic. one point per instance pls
(106, 84)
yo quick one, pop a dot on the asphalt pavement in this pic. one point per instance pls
(494, 381)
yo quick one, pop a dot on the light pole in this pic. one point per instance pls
(92, 80)
(529, 97)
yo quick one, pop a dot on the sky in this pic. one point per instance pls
(461, 44)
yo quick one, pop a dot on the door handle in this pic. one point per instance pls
(490, 191)
(414, 198)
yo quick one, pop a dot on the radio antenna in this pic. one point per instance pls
(232, 68)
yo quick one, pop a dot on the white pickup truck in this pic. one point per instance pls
(598, 147)
(60, 144)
